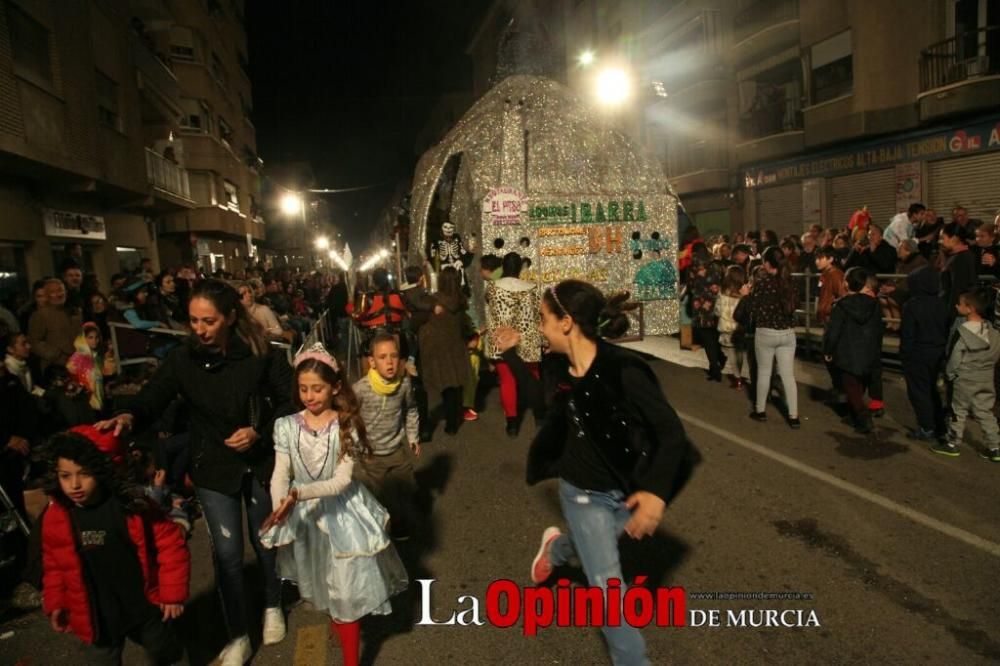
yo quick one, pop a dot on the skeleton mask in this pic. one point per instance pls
(448, 229)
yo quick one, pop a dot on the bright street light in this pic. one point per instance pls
(613, 86)
(374, 259)
(291, 204)
(586, 58)
(337, 258)
(322, 243)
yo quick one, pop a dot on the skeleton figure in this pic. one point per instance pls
(450, 251)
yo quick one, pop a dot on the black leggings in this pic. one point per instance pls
(709, 339)
(452, 398)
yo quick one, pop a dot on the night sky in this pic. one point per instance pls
(347, 86)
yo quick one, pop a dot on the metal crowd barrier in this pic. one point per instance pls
(813, 331)
(115, 326)
(322, 331)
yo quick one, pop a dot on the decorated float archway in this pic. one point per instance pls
(531, 169)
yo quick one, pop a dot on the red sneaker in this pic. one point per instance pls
(470, 415)
(541, 566)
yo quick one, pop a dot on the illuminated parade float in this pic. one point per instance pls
(530, 169)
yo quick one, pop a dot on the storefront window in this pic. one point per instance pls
(83, 254)
(129, 259)
(13, 275)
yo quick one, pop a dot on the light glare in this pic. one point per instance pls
(291, 204)
(613, 86)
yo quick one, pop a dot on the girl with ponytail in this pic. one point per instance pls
(611, 438)
(236, 386)
(773, 302)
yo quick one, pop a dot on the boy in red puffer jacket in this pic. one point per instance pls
(114, 567)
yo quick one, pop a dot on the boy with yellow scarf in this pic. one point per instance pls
(389, 412)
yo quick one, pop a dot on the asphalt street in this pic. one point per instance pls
(891, 547)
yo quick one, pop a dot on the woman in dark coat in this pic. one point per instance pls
(236, 386)
(444, 361)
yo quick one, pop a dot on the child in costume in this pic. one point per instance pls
(332, 529)
(89, 364)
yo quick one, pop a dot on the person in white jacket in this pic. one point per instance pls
(262, 314)
(904, 225)
(731, 340)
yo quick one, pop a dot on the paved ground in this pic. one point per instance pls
(897, 547)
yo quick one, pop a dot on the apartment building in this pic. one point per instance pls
(216, 142)
(783, 113)
(75, 88)
(124, 128)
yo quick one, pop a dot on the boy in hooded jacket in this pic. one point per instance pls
(974, 351)
(923, 336)
(852, 342)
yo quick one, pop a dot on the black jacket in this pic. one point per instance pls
(622, 409)
(923, 332)
(19, 414)
(959, 275)
(854, 334)
(224, 393)
(880, 260)
(981, 268)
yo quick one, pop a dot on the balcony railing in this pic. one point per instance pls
(960, 58)
(167, 176)
(763, 14)
(692, 157)
(155, 67)
(772, 117)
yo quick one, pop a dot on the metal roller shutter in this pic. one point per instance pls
(780, 208)
(973, 182)
(875, 189)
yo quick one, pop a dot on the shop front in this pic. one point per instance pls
(940, 167)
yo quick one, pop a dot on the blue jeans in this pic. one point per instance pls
(772, 344)
(595, 521)
(224, 516)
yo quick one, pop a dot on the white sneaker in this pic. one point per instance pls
(541, 566)
(274, 626)
(236, 653)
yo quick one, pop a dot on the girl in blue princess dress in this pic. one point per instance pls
(331, 529)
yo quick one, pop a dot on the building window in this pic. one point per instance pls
(107, 101)
(832, 68)
(182, 43)
(129, 259)
(13, 273)
(232, 196)
(218, 71)
(225, 132)
(197, 116)
(771, 102)
(30, 43)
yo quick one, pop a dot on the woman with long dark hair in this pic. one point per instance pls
(773, 302)
(611, 438)
(236, 386)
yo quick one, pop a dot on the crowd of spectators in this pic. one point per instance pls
(934, 282)
(59, 369)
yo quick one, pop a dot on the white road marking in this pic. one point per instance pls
(958, 533)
